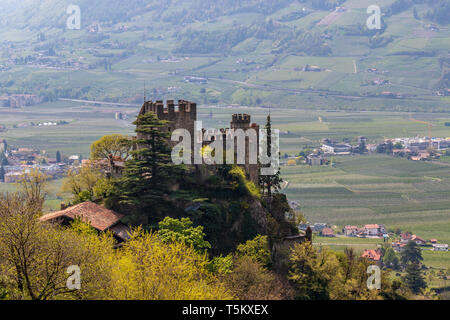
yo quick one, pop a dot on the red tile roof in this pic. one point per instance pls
(327, 231)
(417, 238)
(99, 217)
(372, 255)
(406, 236)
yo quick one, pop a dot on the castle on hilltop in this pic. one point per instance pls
(184, 116)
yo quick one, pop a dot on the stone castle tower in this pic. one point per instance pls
(243, 121)
(179, 116)
(184, 115)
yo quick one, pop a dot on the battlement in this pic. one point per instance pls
(183, 116)
(171, 112)
(240, 121)
(241, 118)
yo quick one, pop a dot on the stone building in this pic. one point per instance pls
(179, 116)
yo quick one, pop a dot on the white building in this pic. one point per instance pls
(440, 247)
(371, 229)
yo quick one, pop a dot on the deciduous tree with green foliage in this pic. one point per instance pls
(390, 259)
(257, 249)
(182, 230)
(115, 145)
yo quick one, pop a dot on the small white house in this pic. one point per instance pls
(371, 229)
(440, 247)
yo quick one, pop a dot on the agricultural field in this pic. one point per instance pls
(375, 189)
(84, 125)
(360, 189)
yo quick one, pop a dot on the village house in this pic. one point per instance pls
(398, 246)
(372, 147)
(308, 68)
(371, 230)
(350, 231)
(327, 232)
(440, 247)
(373, 255)
(13, 177)
(405, 237)
(74, 159)
(418, 240)
(100, 218)
(333, 147)
(314, 160)
(318, 227)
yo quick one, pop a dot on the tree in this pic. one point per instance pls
(315, 274)
(149, 172)
(2, 173)
(34, 256)
(182, 230)
(390, 259)
(415, 14)
(146, 268)
(257, 249)
(81, 183)
(33, 186)
(411, 253)
(362, 146)
(271, 183)
(249, 280)
(389, 147)
(58, 157)
(115, 145)
(3, 159)
(413, 278)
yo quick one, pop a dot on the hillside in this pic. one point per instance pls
(250, 52)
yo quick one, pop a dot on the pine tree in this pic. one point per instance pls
(270, 182)
(413, 278)
(148, 173)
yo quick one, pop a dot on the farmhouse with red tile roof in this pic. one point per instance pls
(97, 216)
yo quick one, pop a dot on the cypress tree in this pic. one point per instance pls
(2, 173)
(58, 156)
(270, 182)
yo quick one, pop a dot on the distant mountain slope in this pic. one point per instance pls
(251, 52)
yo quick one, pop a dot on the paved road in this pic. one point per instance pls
(101, 102)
